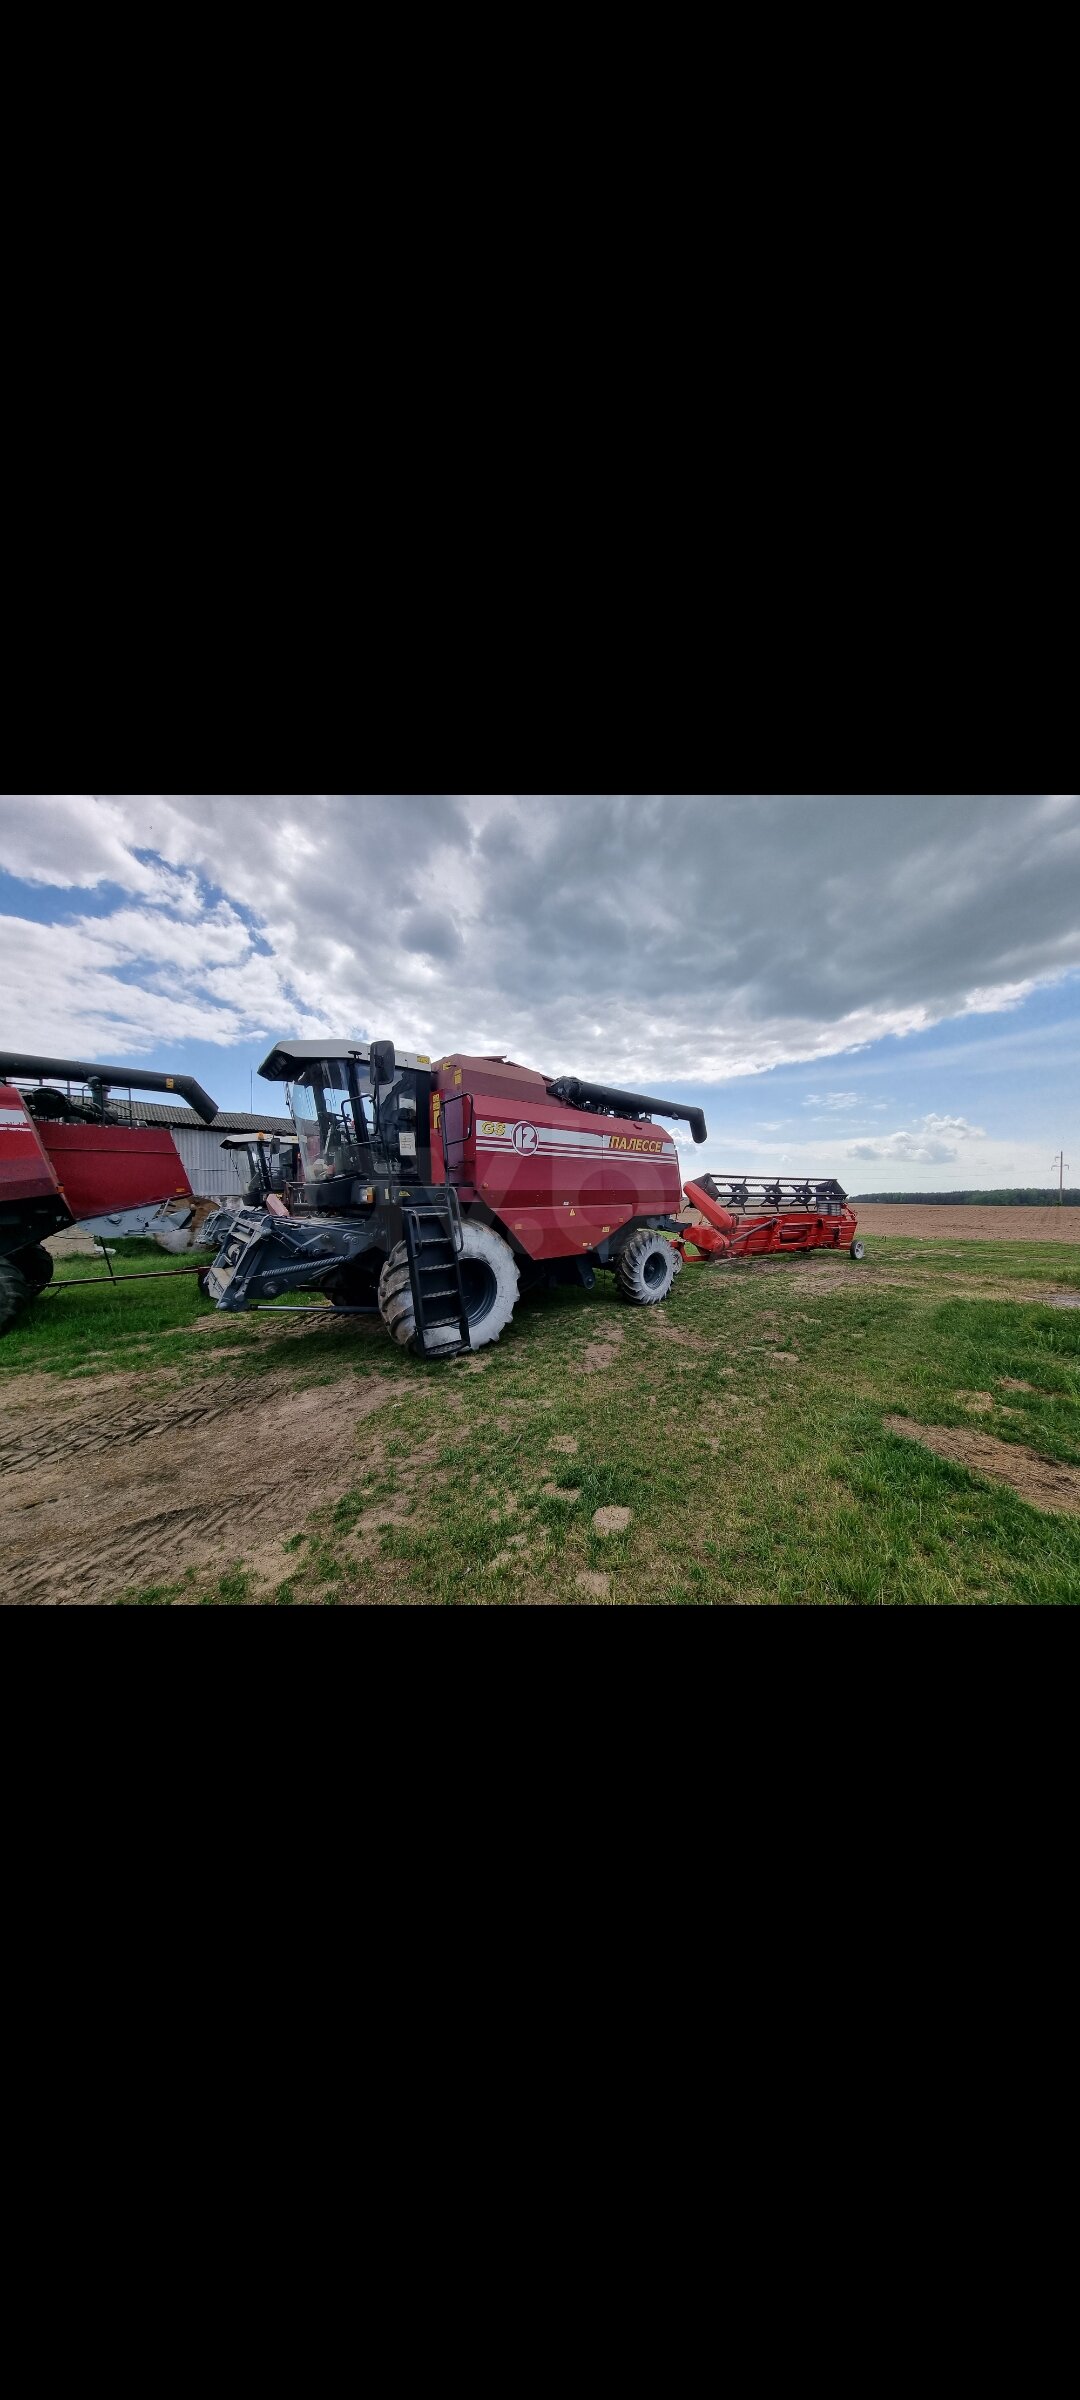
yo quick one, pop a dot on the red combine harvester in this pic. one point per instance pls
(748, 1216)
(437, 1193)
(66, 1157)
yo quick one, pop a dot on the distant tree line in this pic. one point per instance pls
(1022, 1196)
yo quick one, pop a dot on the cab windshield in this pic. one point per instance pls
(330, 1119)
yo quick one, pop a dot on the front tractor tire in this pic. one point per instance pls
(490, 1280)
(646, 1269)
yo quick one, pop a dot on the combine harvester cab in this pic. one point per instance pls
(436, 1193)
(273, 1165)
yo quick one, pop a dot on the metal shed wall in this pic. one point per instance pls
(212, 1172)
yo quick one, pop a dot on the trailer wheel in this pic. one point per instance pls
(490, 1279)
(646, 1269)
(35, 1265)
(858, 1249)
(14, 1293)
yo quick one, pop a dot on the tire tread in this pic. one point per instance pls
(627, 1270)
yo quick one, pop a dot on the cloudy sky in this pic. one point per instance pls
(883, 988)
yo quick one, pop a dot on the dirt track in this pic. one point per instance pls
(971, 1224)
(168, 1476)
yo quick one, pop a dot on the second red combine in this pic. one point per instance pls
(71, 1155)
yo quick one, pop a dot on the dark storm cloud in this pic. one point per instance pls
(712, 933)
(752, 928)
(432, 934)
(798, 906)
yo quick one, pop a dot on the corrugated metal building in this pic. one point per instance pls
(211, 1171)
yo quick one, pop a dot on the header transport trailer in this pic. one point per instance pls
(749, 1216)
(73, 1154)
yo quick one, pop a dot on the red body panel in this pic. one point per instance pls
(100, 1168)
(557, 1179)
(94, 1169)
(25, 1171)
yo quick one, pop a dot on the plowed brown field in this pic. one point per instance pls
(971, 1224)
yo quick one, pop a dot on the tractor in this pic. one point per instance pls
(436, 1192)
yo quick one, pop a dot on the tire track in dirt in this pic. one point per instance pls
(93, 1430)
(152, 1550)
(199, 1480)
(1043, 1482)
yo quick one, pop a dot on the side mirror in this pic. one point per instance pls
(383, 1062)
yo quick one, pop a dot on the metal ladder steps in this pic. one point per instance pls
(431, 1292)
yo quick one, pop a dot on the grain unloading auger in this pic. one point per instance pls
(747, 1216)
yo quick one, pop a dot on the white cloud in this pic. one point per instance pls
(151, 937)
(932, 1142)
(78, 841)
(674, 936)
(62, 995)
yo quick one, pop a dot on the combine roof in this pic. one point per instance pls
(287, 1058)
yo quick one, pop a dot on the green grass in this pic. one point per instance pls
(84, 1324)
(805, 1496)
(72, 1330)
(1056, 1263)
(747, 1480)
(160, 1319)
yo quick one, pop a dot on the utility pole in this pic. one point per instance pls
(1060, 1162)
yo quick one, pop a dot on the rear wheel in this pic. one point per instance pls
(858, 1250)
(489, 1280)
(35, 1266)
(14, 1293)
(646, 1269)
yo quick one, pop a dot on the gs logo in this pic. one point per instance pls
(526, 1139)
